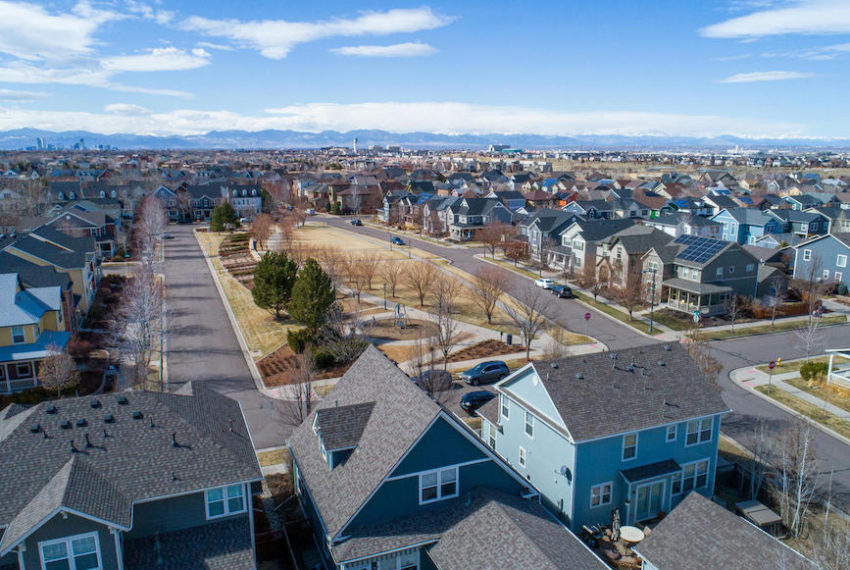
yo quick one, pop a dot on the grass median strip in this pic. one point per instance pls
(616, 313)
(818, 391)
(767, 329)
(807, 409)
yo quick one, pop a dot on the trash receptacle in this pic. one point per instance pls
(509, 339)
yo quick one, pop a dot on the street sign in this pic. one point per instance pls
(587, 316)
(696, 316)
(771, 365)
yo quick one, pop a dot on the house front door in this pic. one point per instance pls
(649, 500)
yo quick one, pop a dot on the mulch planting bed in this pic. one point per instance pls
(483, 350)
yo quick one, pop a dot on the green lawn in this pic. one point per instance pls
(767, 329)
(794, 365)
(804, 408)
(616, 313)
(666, 318)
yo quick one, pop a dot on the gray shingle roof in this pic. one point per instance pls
(612, 397)
(500, 531)
(401, 413)
(707, 536)
(341, 427)
(656, 469)
(214, 449)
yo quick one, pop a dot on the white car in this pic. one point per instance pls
(310, 212)
(545, 283)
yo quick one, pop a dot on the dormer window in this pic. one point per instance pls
(438, 485)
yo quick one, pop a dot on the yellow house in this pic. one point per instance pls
(30, 323)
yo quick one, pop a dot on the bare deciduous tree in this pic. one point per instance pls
(420, 277)
(493, 234)
(302, 389)
(369, 264)
(528, 313)
(444, 314)
(151, 222)
(139, 321)
(798, 472)
(262, 229)
(488, 288)
(700, 351)
(760, 454)
(809, 337)
(391, 271)
(57, 370)
(738, 305)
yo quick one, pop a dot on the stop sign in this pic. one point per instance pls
(587, 316)
(771, 365)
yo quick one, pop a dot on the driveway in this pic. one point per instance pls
(201, 345)
(567, 313)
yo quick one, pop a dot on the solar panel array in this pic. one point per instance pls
(699, 249)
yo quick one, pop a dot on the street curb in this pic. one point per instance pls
(234, 324)
(781, 406)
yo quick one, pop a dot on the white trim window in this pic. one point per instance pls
(23, 369)
(693, 476)
(600, 495)
(841, 260)
(807, 255)
(225, 501)
(750, 267)
(79, 552)
(699, 431)
(506, 408)
(18, 335)
(491, 440)
(438, 485)
(838, 276)
(826, 274)
(630, 443)
(672, 432)
(523, 457)
(529, 425)
(402, 561)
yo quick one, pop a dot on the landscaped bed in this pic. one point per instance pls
(483, 349)
(281, 366)
(387, 329)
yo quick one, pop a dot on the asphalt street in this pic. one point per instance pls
(201, 344)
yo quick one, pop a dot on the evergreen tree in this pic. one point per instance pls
(222, 215)
(274, 278)
(312, 296)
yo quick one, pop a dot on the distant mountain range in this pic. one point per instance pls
(274, 139)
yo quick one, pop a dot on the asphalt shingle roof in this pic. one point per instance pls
(704, 536)
(117, 462)
(629, 393)
(341, 427)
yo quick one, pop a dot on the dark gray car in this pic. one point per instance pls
(485, 373)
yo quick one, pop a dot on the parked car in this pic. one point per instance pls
(485, 372)
(167, 235)
(397, 240)
(471, 401)
(545, 283)
(434, 380)
(355, 222)
(562, 291)
(310, 212)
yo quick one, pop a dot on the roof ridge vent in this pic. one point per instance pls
(662, 364)
(122, 400)
(109, 419)
(66, 424)
(579, 376)
(82, 422)
(137, 415)
(51, 409)
(95, 403)
(35, 428)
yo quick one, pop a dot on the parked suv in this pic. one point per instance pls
(485, 372)
(397, 240)
(562, 291)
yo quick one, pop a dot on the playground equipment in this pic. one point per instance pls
(400, 316)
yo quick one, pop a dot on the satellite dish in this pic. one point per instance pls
(565, 472)
(564, 469)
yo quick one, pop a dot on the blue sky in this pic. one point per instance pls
(755, 68)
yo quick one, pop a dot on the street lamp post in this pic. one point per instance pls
(385, 296)
(390, 237)
(652, 299)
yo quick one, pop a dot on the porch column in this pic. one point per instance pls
(8, 382)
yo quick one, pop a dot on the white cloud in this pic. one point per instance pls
(22, 96)
(437, 117)
(409, 49)
(801, 17)
(84, 74)
(148, 12)
(758, 76)
(127, 109)
(210, 45)
(276, 38)
(158, 59)
(815, 53)
(29, 31)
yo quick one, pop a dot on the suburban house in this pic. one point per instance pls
(78, 222)
(634, 431)
(246, 200)
(435, 215)
(31, 324)
(134, 480)
(824, 259)
(838, 219)
(543, 230)
(745, 225)
(685, 224)
(391, 480)
(580, 239)
(470, 215)
(716, 538)
(803, 224)
(203, 200)
(708, 273)
(79, 257)
(34, 276)
(619, 256)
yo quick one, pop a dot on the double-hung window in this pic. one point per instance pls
(529, 425)
(841, 261)
(630, 446)
(699, 431)
(506, 408)
(80, 552)
(694, 476)
(671, 433)
(225, 501)
(807, 255)
(600, 495)
(719, 272)
(437, 485)
(18, 335)
(492, 436)
(523, 457)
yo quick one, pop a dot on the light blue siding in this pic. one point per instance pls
(524, 387)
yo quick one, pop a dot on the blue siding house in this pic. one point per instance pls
(391, 481)
(824, 259)
(634, 431)
(745, 225)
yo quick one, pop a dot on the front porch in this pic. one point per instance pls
(19, 362)
(690, 296)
